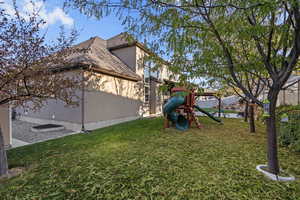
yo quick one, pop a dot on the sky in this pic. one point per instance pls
(54, 16)
(52, 13)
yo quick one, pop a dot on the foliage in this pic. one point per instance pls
(286, 108)
(215, 110)
(240, 40)
(186, 85)
(290, 131)
(32, 70)
(255, 40)
(139, 160)
(180, 94)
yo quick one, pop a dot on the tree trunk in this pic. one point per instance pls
(273, 164)
(246, 111)
(3, 158)
(251, 118)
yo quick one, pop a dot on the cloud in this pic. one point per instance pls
(59, 15)
(7, 7)
(27, 7)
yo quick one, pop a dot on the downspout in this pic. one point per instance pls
(82, 103)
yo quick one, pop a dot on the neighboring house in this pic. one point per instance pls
(120, 89)
(290, 95)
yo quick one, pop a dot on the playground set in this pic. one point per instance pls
(180, 109)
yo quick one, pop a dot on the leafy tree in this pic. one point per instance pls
(30, 69)
(252, 83)
(210, 33)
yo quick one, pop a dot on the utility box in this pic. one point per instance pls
(5, 124)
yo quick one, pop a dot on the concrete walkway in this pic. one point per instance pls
(18, 143)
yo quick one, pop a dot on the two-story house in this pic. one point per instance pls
(121, 87)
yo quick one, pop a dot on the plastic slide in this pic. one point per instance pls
(208, 114)
(181, 123)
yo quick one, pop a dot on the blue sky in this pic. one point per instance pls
(53, 14)
(88, 27)
(51, 11)
(105, 28)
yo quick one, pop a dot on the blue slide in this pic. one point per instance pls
(181, 123)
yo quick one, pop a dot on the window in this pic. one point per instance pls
(146, 83)
(158, 95)
(147, 92)
(146, 73)
(155, 74)
(150, 70)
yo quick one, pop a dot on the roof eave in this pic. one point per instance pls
(86, 66)
(114, 74)
(140, 45)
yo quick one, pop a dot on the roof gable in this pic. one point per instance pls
(101, 59)
(122, 39)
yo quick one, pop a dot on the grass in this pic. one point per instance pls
(139, 160)
(215, 110)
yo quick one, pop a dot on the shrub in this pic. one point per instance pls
(287, 108)
(289, 134)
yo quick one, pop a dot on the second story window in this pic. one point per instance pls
(147, 83)
(147, 93)
(155, 74)
(150, 70)
(147, 74)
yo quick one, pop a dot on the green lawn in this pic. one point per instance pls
(215, 110)
(138, 160)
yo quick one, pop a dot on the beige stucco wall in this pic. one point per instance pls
(114, 85)
(109, 98)
(103, 106)
(159, 101)
(164, 72)
(140, 64)
(127, 55)
(134, 58)
(56, 109)
(5, 123)
(106, 98)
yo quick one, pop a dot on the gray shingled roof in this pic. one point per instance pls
(101, 59)
(120, 40)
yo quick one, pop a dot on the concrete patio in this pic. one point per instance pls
(23, 135)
